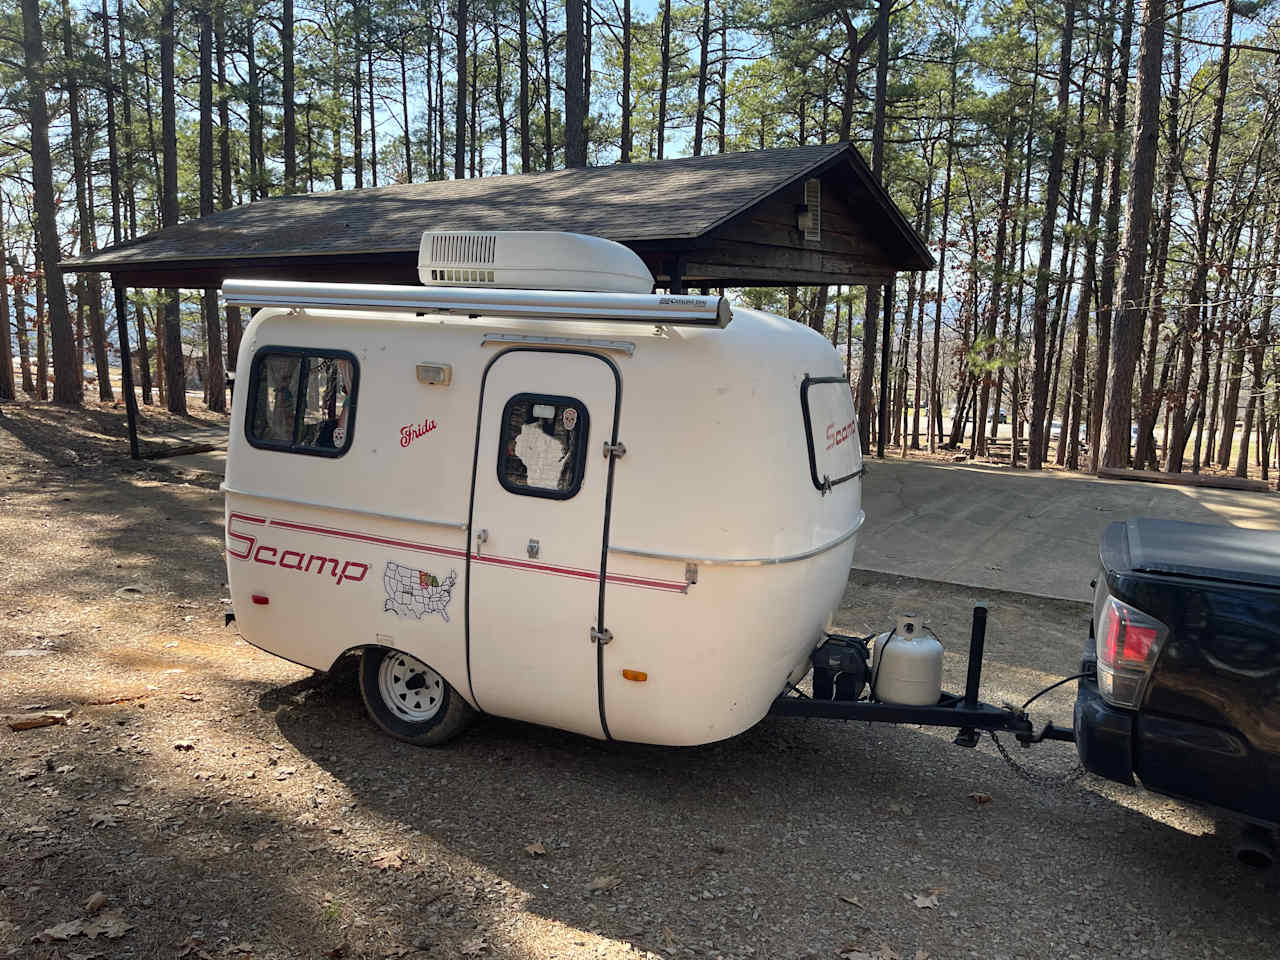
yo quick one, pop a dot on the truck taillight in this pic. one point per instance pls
(1128, 644)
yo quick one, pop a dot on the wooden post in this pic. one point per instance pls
(885, 330)
(126, 367)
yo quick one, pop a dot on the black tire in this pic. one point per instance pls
(452, 714)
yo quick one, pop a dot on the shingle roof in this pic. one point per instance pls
(673, 200)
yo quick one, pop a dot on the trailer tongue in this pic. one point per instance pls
(843, 673)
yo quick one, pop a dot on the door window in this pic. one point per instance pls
(542, 450)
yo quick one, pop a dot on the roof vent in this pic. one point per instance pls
(530, 260)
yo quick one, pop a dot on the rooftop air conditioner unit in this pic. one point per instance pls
(530, 260)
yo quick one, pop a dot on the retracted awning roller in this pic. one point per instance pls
(650, 308)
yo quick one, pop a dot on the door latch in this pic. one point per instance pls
(533, 549)
(601, 636)
(482, 537)
(614, 449)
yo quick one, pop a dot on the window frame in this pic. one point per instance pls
(824, 485)
(579, 452)
(305, 353)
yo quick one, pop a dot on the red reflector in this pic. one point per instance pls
(261, 599)
(1137, 643)
(1111, 635)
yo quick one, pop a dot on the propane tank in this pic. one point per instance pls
(907, 665)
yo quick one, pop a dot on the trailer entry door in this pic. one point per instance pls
(540, 494)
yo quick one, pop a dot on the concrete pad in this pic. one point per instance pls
(1034, 533)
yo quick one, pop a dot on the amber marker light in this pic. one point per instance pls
(639, 676)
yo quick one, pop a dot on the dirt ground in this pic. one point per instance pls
(228, 804)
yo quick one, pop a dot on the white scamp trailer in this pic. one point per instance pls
(536, 489)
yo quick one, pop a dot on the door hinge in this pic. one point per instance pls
(601, 636)
(614, 449)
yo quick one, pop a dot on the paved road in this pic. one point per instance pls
(1024, 532)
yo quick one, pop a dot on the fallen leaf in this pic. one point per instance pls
(602, 884)
(61, 931)
(389, 860)
(980, 798)
(536, 849)
(185, 744)
(926, 901)
(473, 947)
(110, 925)
(852, 900)
(97, 900)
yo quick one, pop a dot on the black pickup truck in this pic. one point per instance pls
(1182, 685)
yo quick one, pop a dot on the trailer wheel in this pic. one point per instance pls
(409, 700)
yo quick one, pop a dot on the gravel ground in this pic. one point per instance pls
(227, 804)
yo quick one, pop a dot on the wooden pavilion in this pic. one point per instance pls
(791, 216)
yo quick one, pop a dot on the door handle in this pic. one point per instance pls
(482, 537)
(532, 549)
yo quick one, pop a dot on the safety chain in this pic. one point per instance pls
(1039, 779)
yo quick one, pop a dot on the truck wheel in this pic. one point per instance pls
(409, 700)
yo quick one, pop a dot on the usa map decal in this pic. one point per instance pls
(417, 593)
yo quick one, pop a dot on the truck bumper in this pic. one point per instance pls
(1104, 735)
(1177, 758)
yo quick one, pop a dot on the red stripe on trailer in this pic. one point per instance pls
(369, 538)
(576, 573)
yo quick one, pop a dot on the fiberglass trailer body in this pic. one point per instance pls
(619, 513)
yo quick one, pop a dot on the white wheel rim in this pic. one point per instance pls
(410, 689)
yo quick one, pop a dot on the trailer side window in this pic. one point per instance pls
(302, 401)
(831, 430)
(543, 446)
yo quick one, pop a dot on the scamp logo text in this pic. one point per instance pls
(338, 570)
(838, 435)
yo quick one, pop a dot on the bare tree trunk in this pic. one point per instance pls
(66, 388)
(704, 35)
(225, 200)
(1126, 330)
(979, 445)
(626, 81)
(290, 117)
(257, 153)
(1151, 401)
(8, 389)
(499, 99)
(1198, 288)
(666, 75)
(1040, 308)
(130, 184)
(935, 395)
(20, 326)
(460, 106)
(174, 375)
(525, 155)
(1111, 234)
(215, 384)
(545, 27)
(575, 134)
